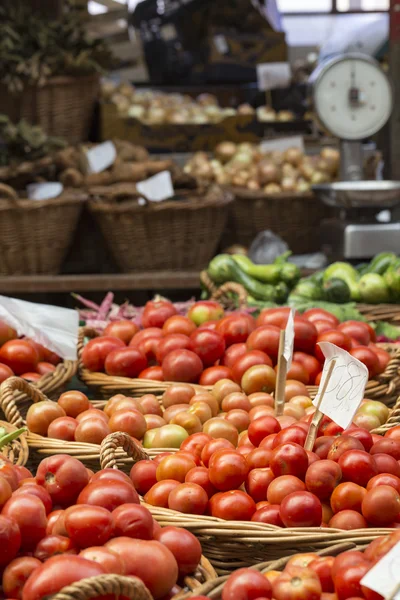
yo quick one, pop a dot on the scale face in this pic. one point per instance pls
(353, 97)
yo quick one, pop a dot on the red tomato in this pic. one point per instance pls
(148, 348)
(234, 505)
(357, 466)
(233, 353)
(29, 514)
(110, 474)
(211, 325)
(274, 316)
(35, 490)
(316, 314)
(154, 373)
(347, 496)
(387, 445)
(347, 581)
(236, 328)
(10, 539)
(96, 351)
(124, 330)
(159, 493)
(362, 435)
(188, 498)
(108, 494)
(208, 345)
(257, 483)
(283, 486)
(294, 434)
(246, 584)
(369, 358)
(289, 459)
(322, 566)
(58, 572)
(323, 326)
(381, 505)
(20, 356)
(171, 342)
(54, 544)
(88, 525)
(110, 561)
(63, 428)
(227, 469)
(184, 546)
(343, 444)
(383, 357)
(45, 367)
(63, 476)
(305, 335)
(182, 365)
(310, 363)
(348, 520)
(259, 378)
(156, 312)
(268, 514)
(212, 375)
(16, 575)
(195, 443)
(125, 362)
(30, 376)
(144, 334)
(178, 324)
(358, 330)
(301, 509)
(298, 372)
(322, 477)
(73, 403)
(266, 339)
(200, 476)
(5, 372)
(7, 333)
(175, 466)
(247, 360)
(132, 520)
(297, 583)
(143, 475)
(334, 337)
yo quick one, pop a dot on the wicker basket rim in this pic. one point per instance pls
(57, 80)
(242, 192)
(66, 198)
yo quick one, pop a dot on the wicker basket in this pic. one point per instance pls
(34, 235)
(18, 451)
(294, 217)
(381, 312)
(180, 234)
(233, 544)
(63, 106)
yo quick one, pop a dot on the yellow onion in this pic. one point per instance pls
(225, 151)
(285, 115)
(288, 184)
(268, 172)
(293, 156)
(253, 185)
(246, 109)
(272, 188)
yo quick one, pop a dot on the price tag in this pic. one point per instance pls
(157, 188)
(221, 44)
(54, 327)
(44, 191)
(289, 340)
(283, 144)
(384, 577)
(101, 157)
(273, 75)
(345, 390)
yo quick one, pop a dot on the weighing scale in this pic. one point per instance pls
(353, 100)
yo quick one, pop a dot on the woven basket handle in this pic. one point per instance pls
(103, 585)
(7, 401)
(110, 445)
(85, 332)
(8, 193)
(231, 287)
(393, 368)
(393, 420)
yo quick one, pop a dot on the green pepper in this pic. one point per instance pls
(264, 273)
(7, 438)
(381, 263)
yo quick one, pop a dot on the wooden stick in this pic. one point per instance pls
(281, 377)
(317, 417)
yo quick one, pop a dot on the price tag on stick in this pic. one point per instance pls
(285, 355)
(317, 416)
(384, 577)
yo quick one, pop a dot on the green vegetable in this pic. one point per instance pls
(347, 273)
(10, 437)
(308, 289)
(219, 268)
(264, 273)
(373, 289)
(282, 259)
(343, 312)
(281, 292)
(382, 262)
(336, 290)
(392, 280)
(390, 331)
(290, 274)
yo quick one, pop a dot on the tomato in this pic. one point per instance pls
(58, 572)
(88, 525)
(387, 464)
(5, 491)
(227, 469)
(124, 330)
(182, 365)
(125, 362)
(159, 493)
(179, 393)
(298, 372)
(274, 316)
(52, 545)
(236, 328)
(233, 505)
(257, 483)
(110, 474)
(7, 333)
(347, 581)
(322, 477)
(171, 342)
(63, 476)
(175, 466)
(200, 476)
(19, 355)
(316, 314)
(45, 367)
(143, 476)
(153, 373)
(310, 363)
(205, 310)
(213, 446)
(239, 418)
(130, 421)
(41, 414)
(17, 573)
(212, 375)
(184, 546)
(145, 334)
(294, 388)
(52, 518)
(259, 378)
(343, 444)
(5, 372)
(96, 351)
(268, 514)
(388, 446)
(347, 520)
(294, 434)
(289, 459)
(363, 436)
(297, 583)
(381, 505)
(234, 401)
(334, 337)
(73, 403)
(266, 339)
(156, 312)
(283, 486)
(247, 360)
(10, 539)
(347, 496)
(301, 509)
(132, 520)
(178, 324)
(92, 431)
(383, 357)
(246, 584)
(233, 353)
(208, 345)
(63, 428)
(188, 498)
(357, 330)
(108, 494)
(210, 325)
(110, 561)
(357, 466)
(322, 566)
(369, 358)
(30, 515)
(36, 490)
(305, 335)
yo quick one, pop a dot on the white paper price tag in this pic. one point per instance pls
(101, 157)
(289, 340)
(346, 387)
(384, 577)
(54, 327)
(283, 144)
(221, 44)
(273, 75)
(157, 188)
(44, 191)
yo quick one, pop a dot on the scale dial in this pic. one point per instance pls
(353, 97)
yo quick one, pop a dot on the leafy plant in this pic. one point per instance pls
(24, 142)
(32, 49)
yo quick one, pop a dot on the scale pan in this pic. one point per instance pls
(354, 194)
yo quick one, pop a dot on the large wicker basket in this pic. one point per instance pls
(233, 544)
(35, 235)
(294, 217)
(63, 106)
(179, 234)
(381, 312)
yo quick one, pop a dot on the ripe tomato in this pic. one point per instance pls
(343, 444)
(184, 546)
(298, 371)
(381, 505)
(153, 373)
(362, 435)
(16, 575)
(387, 464)
(178, 324)
(63, 476)
(388, 446)
(211, 375)
(323, 325)
(322, 566)
(73, 403)
(41, 414)
(316, 314)
(347, 496)
(7, 333)
(171, 342)
(35, 490)
(310, 363)
(144, 334)
(297, 583)
(182, 365)
(294, 434)
(357, 466)
(233, 353)
(108, 494)
(358, 330)
(200, 476)
(283, 486)
(143, 476)
(347, 581)
(266, 339)
(347, 520)
(234, 401)
(289, 459)
(110, 474)
(213, 446)
(233, 505)
(125, 362)
(188, 498)
(159, 493)
(268, 514)
(156, 312)
(322, 477)
(247, 360)
(110, 561)
(132, 520)
(334, 337)
(54, 544)
(63, 428)
(96, 351)
(211, 325)
(257, 483)
(20, 356)
(88, 525)
(246, 584)
(57, 572)
(383, 357)
(301, 509)
(148, 348)
(5, 372)
(274, 316)
(175, 466)
(130, 421)
(205, 311)
(227, 469)
(294, 388)
(369, 358)
(305, 335)
(259, 378)
(236, 328)
(29, 514)
(10, 539)
(124, 330)
(208, 345)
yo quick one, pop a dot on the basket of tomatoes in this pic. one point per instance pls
(206, 345)
(33, 362)
(67, 533)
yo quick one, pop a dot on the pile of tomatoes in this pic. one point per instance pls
(206, 346)
(24, 357)
(67, 524)
(312, 577)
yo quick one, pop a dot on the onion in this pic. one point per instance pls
(126, 89)
(225, 151)
(285, 115)
(266, 114)
(268, 172)
(307, 170)
(293, 156)
(289, 171)
(253, 185)
(319, 177)
(245, 109)
(288, 184)
(204, 171)
(303, 186)
(272, 188)
(136, 111)
(207, 100)
(277, 158)
(156, 115)
(178, 118)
